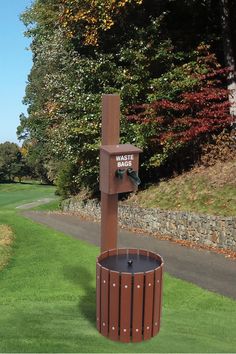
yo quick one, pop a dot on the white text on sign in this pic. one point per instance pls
(124, 160)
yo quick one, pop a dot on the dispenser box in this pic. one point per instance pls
(118, 157)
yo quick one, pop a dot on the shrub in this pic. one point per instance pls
(66, 180)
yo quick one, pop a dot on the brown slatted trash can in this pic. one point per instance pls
(129, 294)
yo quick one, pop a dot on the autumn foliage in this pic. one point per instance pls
(171, 125)
(91, 17)
(155, 54)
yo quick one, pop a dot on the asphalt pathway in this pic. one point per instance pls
(207, 269)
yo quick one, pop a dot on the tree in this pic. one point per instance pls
(172, 128)
(144, 50)
(86, 20)
(63, 121)
(227, 20)
(11, 164)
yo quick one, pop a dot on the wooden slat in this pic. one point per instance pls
(161, 295)
(125, 307)
(98, 296)
(143, 252)
(157, 301)
(153, 255)
(103, 256)
(113, 252)
(114, 305)
(137, 310)
(148, 305)
(160, 259)
(122, 251)
(104, 300)
(132, 251)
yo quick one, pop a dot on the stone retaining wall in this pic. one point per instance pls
(204, 229)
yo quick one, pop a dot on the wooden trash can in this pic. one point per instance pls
(129, 294)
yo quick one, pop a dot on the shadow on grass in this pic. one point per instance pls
(84, 279)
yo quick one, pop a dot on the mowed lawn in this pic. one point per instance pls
(47, 297)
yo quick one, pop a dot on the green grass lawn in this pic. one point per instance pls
(14, 194)
(54, 205)
(47, 297)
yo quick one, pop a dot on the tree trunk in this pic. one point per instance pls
(229, 54)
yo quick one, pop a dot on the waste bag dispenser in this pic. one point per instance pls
(119, 168)
(128, 281)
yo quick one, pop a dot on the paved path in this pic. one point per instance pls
(207, 269)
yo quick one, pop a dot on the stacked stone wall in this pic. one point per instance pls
(204, 229)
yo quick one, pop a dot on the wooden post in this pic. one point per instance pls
(109, 202)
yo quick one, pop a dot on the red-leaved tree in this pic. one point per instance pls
(174, 127)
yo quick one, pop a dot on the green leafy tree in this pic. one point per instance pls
(11, 164)
(143, 50)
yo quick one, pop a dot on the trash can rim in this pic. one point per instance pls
(135, 252)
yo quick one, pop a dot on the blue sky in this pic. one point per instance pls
(15, 65)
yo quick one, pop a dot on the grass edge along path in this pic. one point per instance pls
(47, 302)
(6, 239)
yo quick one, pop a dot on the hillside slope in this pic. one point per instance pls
(210, 190)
